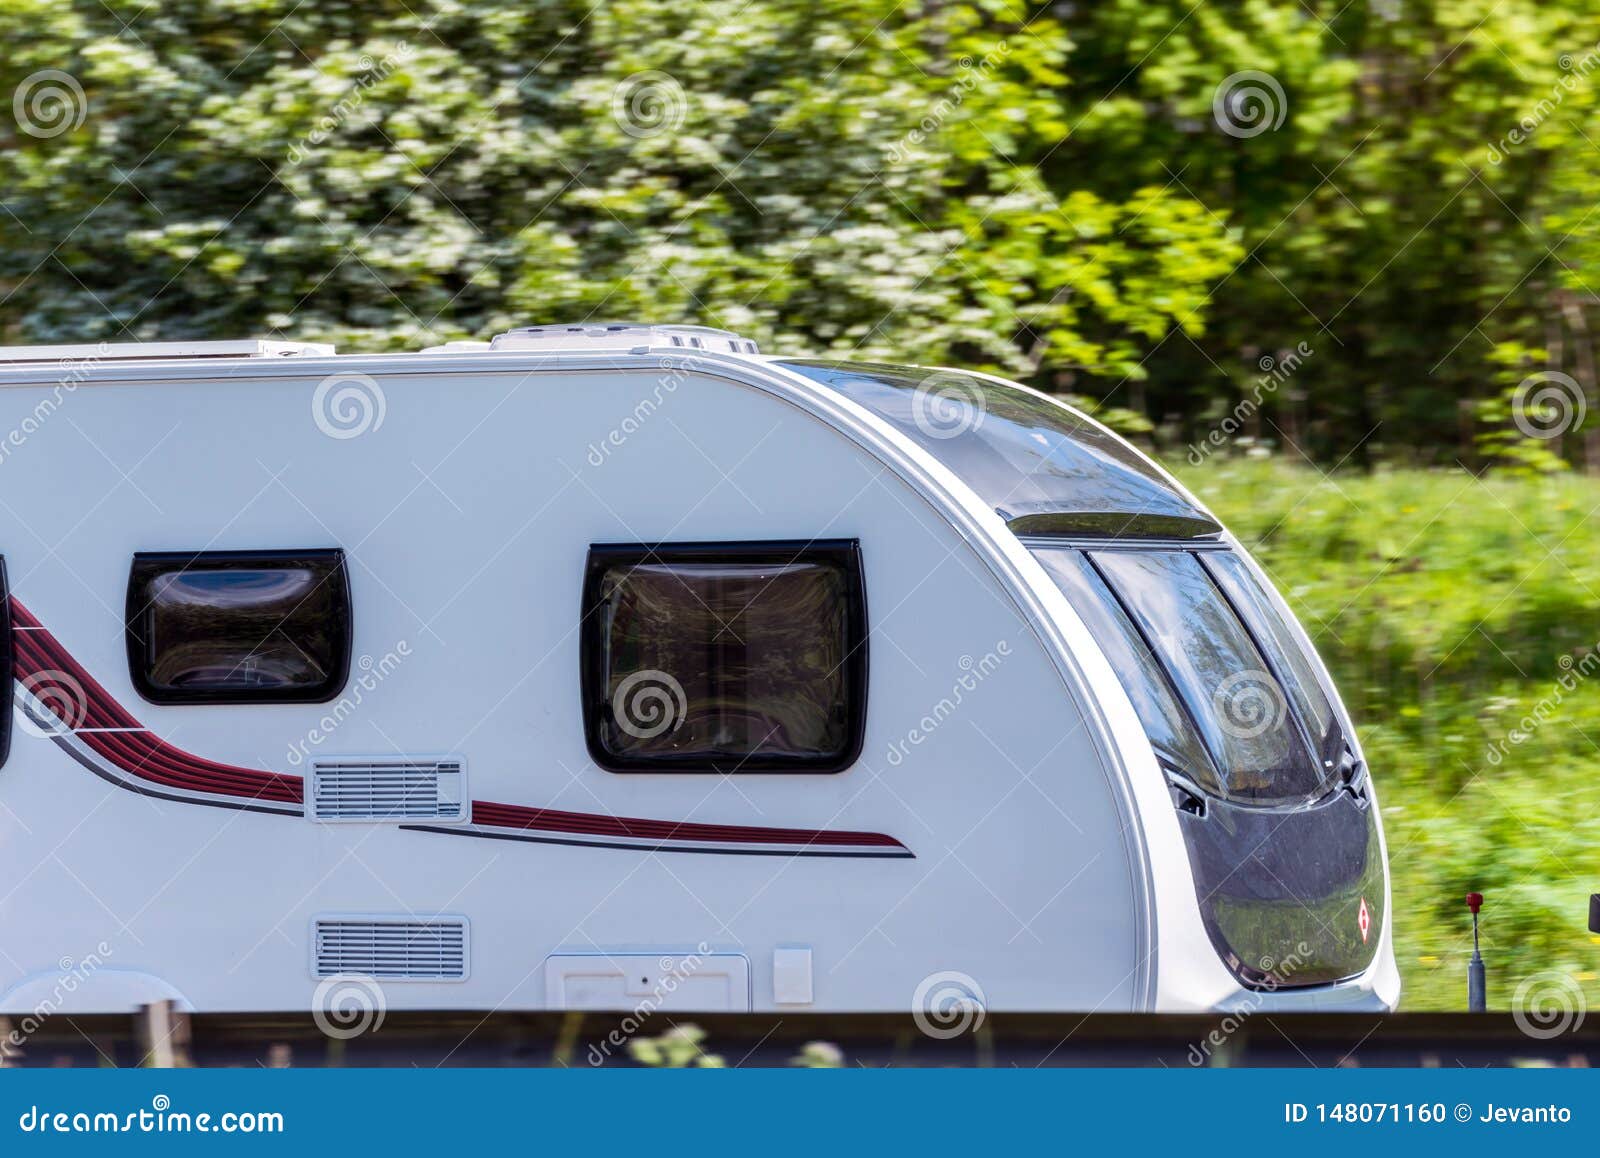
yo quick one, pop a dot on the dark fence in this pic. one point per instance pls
(159, 1036)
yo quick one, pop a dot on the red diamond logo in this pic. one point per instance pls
(1364, 920)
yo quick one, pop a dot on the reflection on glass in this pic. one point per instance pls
(1286, 652)
(1022, 454)
(1169, 728)
(225, 627)
(1240, 707)
(726, 661)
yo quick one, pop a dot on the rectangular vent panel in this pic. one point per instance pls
(398, 789)
(391, 948)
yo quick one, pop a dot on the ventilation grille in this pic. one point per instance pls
(391, 949)
(399, 789)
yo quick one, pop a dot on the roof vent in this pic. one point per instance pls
(396, 789)
(623, 336)
(390, 948)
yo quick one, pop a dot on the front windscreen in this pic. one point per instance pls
(1213, 655)
(1286, 861)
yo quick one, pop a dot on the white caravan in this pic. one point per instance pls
(621, 667)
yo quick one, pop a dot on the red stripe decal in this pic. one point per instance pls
(68, 691)
(550, 820)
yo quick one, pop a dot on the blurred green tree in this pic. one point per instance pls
(854, 176)
(1399, 215)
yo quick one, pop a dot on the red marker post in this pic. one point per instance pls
(1475, 979)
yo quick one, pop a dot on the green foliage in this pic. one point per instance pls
(1454, 612)
(1402, 220)
(677, 1048)
(1064, 193)
(856, 177)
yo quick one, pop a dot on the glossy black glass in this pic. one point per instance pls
(239, 627)
(725, 657)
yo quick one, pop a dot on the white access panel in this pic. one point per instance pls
(675, 982)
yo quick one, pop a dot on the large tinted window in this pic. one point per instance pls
(239, 627)
(1262, 716)
(1029, 458)
(747, 657)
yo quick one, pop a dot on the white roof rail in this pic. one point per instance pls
(623, 336)
(129, 351)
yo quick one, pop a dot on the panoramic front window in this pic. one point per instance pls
(238, 627)
(1229, 697)
(740, 657)
(1043, 468)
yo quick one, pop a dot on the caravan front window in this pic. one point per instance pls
(1040, 465)
(1228, 666)
(1282, 841)
(1172, 733)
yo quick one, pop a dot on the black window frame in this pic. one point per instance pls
(596, 706)
(145, 563)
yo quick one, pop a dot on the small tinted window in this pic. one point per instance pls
(239, 627)
(744, 657)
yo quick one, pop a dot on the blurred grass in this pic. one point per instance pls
(1449, 608)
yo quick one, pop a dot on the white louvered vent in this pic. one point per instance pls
(399, 789)
(390, 948)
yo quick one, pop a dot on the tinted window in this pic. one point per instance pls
(237, 627)
(1171, 731)
(1304, 678)
(725, 657)
(1026, 456)
(1237, 701)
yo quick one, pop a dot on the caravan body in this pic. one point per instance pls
(616, 667)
